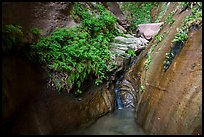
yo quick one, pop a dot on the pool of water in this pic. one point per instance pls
(119, 122)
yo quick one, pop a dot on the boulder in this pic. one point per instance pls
(119, 48)
(148, 31)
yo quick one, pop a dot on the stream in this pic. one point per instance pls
(119, 122)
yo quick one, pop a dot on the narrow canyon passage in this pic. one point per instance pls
(101, 68)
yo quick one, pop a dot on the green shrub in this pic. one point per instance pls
(180, 36)
(71, 54)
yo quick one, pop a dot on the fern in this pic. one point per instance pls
(78, 51)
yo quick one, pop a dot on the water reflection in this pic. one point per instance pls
(119, 122)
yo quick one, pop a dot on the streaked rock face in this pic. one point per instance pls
(120, 47)
(44, 15)
(172, 101)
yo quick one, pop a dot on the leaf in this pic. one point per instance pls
(78, 91)
(89, 68)
(84, 74)
(77, 75)
(78, 84)
(72, 76)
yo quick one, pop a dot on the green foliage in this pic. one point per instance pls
(11, 37)
(139, 12)
(131, 53)
(190, 20)
(195, 18)
(194, 6)
(12, 29)
(36, 31)
(141, 88)
(169, 19)
(183, 4)
(199, 5)
(148, 60)
(169, 58)
(98, 21)
(161, 14)
(149, 57)
(190, 4)
(182, 33)
(70, 54)
(158, 38)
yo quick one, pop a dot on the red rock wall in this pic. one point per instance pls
(172, 101)
(44, 15)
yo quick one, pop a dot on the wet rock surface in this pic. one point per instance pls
(32, 108)
(172, 100)
(43, 15)
(127, 93)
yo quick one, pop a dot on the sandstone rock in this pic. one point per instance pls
(147, 31)
(171, 102)
(46, 16)
(121, 45)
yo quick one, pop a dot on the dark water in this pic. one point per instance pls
(119, 122)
